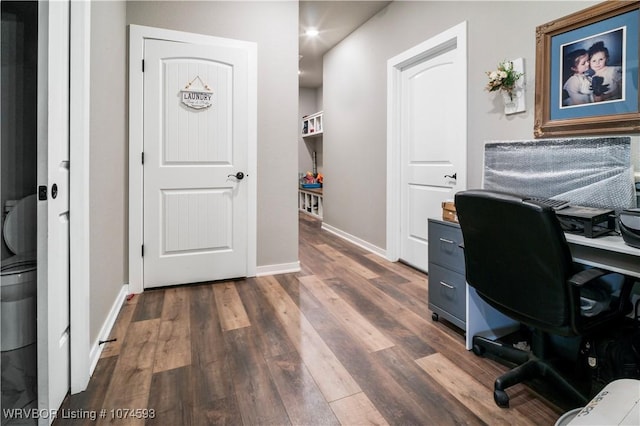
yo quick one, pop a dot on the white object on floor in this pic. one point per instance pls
(617, 404)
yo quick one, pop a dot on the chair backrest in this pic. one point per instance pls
(517, 258)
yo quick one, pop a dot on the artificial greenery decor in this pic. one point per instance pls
(504, 78)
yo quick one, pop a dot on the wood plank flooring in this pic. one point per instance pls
(348, 340)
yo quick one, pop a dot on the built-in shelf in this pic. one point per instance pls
(312, 125)
(310, 201)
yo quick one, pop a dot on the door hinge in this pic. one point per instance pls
(142, 157)
(143, 65)
(142, 251)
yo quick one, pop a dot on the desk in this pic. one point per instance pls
(608, 253)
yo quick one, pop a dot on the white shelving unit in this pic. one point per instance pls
(310, 201)
(312, 125)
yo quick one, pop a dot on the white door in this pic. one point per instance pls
(195, 194)
(53, 212)
(431, 134)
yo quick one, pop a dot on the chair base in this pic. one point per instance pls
(530, 365)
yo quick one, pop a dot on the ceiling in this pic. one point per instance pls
(335, 20)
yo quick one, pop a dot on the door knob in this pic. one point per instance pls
(238, 176)
(453, 176)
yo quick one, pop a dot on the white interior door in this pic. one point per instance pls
(433, 143)
(195, 200)
(53, 212)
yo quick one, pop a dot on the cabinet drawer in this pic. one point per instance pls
(447, 290)
(444, 246)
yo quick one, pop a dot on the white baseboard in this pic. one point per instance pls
(105, 331)
(355, 240)
(283, 268)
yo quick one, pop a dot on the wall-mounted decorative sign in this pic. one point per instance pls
(197, 96)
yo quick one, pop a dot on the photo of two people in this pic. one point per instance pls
(592, 69)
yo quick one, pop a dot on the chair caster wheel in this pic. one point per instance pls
(478, 350)
(435, 317)
(501, 398)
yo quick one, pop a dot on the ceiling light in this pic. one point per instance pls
(312, 32)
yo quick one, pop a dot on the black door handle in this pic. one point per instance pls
(454, 176)
(238, 176)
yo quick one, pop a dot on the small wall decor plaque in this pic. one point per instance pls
(198, 96)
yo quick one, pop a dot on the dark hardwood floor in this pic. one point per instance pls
(348, 340)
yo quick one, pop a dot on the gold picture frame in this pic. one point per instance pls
(612, 23)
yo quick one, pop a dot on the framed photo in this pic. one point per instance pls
(587, 72)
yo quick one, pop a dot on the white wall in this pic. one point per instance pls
(273, 25)
(108, 156)
(355, 85)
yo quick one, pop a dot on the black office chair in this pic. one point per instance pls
(518, 261)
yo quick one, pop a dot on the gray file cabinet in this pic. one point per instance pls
(447, 284)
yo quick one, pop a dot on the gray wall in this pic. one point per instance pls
(355, 96)
(108, 156)
(273, 25)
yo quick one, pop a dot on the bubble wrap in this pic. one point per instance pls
(593, 172)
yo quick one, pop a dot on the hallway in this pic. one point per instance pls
(348, 340)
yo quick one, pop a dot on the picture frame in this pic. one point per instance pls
(587, 72)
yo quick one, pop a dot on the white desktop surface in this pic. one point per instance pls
(609, 242)
(608, 253)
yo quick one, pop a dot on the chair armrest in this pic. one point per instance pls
(585, 276)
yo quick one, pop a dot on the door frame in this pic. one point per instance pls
(80, 194)
(456, 35)
(80, 25)
(137, 36)
(79, 230)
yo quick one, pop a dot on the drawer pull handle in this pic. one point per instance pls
(446, 241)
(447, 285)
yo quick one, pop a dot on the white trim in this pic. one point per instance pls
(79, 190)
(355, 240)
(43, 224)
(282, 268)
(393, 163)
(105, 331)
(395, 66)
(53, 131)
(137, 35)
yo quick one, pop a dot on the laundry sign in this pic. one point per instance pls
(197, 96)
